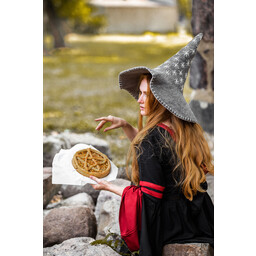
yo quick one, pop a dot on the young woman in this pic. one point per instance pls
(170, 158)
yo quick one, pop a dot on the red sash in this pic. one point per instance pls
(130, 216)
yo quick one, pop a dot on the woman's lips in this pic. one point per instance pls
(141, 108)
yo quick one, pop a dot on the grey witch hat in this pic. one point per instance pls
(167, 82)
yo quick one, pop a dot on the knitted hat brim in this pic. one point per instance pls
(129, 79)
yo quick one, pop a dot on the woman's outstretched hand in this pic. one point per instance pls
(116, 122)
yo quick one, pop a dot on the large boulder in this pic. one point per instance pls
(52, 144)
(210, 190)
(193, 249)
(79, 246)
(70, 190)
(76, 200)
(65, 140)
(107, 210)
(122, 173)
(63, 223)
(49, 189)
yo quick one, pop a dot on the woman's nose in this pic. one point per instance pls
(140, 100)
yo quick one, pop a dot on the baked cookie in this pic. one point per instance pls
(91, 162)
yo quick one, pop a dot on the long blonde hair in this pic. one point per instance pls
(192, 151)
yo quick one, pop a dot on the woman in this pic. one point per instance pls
(170, 157)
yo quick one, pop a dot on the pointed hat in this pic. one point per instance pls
(167, 82)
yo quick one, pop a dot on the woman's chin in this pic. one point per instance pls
(142, 112)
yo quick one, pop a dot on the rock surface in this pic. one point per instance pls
(122, 173)
(70, 190)
(107, 210)
(194, 249)
(76, 200)
(67, 222)
(79, 246)
(52, 145)
(49, 189)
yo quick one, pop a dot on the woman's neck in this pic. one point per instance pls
(167, 123)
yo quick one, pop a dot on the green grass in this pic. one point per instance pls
(81, 84)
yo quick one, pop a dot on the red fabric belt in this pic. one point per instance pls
(151, 192)
(152, 185)
(145, 185)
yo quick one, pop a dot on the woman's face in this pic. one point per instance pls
(143, 96)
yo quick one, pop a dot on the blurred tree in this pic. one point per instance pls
(78, 14)
(185, 13)
(202, 67)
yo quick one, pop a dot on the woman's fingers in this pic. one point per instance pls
(110, 128)
(100, 125)
(100, 183)
(103, 121)
(100, 118)
(95, 179)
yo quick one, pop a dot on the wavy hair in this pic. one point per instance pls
(192, 151)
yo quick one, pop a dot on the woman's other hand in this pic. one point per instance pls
(105, 185)
(116, 122)
(101, 184)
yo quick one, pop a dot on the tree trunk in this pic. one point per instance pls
(55, 26)
(202, 67)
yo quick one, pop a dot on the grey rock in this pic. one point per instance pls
(204, 113)
(107, 210)
(63, 223)
(70, 190)
(45, 212)
(210, 182)
(193, 249)
(49, 189)
(122, 173)
(79, 246)
(100, 250)
(52, 144)
(76, 200)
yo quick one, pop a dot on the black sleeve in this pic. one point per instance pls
(152, 184)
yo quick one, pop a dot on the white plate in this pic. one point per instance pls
(63, 171)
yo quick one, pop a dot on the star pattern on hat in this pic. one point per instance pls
(186, 53)
(176, 68)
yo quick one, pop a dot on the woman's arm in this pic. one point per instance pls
(105, 185)
(117, 122)
(129, 130)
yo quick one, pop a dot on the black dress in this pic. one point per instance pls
(166, 215)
